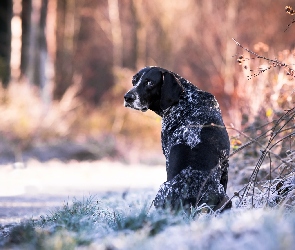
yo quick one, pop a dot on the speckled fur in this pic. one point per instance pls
(183, 122)
(192, 135)
(191, 187)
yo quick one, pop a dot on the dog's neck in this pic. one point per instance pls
(159, 111)
(156, 108)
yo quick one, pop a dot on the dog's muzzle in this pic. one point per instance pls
(130, 101)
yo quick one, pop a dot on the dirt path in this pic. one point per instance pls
(28, 191)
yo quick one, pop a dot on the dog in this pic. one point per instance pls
(194, 139)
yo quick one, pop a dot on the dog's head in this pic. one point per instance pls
(153, 88)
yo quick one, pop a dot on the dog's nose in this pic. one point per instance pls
(129, 97)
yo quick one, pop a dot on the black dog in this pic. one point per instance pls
(194, 139)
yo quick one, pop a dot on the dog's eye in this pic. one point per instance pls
(149, 83)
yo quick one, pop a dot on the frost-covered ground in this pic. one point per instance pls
(126, 221)
(112, 210)
(237, 229)
(27, 191)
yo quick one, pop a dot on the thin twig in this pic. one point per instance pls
(272, 62)
(275, 131)
(269, 176)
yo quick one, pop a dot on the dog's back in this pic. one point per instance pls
(195, 127)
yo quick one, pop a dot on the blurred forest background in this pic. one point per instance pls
(65, 66)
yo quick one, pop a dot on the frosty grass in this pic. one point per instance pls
(128, 221)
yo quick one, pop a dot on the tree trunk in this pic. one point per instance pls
(139, 34)
(41, 54)
(230, 47)
(64, 46)
(134, 54)
(5, 40)
(26, 32)
(116, 33)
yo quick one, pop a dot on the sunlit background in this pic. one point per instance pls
(65, 66)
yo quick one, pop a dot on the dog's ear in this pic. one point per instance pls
(171, 90)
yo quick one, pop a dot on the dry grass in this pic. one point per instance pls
(27, 121)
